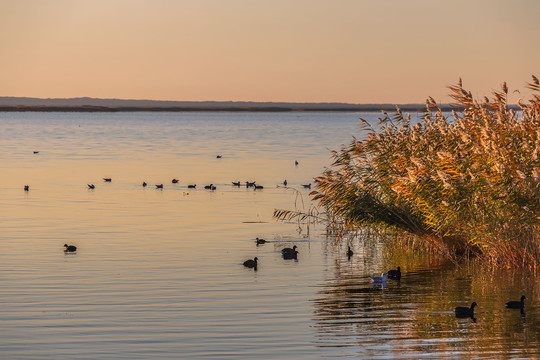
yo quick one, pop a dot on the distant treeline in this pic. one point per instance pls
(90, 108)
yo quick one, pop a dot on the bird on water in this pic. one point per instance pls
(516, 304)
(259, 241)
(69, 248)
(175, 181)
(107, 179)
(379, 279)
(26, 187)
(91, 186)
(465, 312)
(160, 186)
(144, 184)
(193, 186)
(290, 255)
(252, 264)
(289, 250)
(395, 274)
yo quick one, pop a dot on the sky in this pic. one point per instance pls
(355, 51)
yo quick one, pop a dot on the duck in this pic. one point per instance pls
(250, 184)
(349, 252)
(295, 163)
(290, 255)
(258, 187)
(307, 186)
(395, 274)
(379, 279)
(144, 184)
(210, 187)
(69, 248)
(160, 186)
(236, 183)
(107, 179)
(26, 187)
(36, 152)
(219, 157)
(285, 182)
(516, 304)
(175, 181)
(192, 186)
(91, 186)
(260, 241)
(251, 263)
(464, 312)
(289, 250)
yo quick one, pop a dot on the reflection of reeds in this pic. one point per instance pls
(465, 184)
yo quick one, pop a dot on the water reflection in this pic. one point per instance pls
(415, 316)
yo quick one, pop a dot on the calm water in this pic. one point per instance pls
(159, 273)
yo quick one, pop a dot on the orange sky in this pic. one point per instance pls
(359, 51)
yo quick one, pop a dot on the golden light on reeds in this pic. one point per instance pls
(467, 184)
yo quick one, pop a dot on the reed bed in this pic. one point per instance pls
(466, 183)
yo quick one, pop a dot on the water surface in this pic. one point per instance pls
(158, 273)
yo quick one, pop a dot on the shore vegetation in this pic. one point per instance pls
(465, 183)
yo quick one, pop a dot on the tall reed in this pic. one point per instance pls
(466, 183)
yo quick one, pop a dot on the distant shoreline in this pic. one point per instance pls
(88, 108)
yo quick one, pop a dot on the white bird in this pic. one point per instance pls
(379, 279)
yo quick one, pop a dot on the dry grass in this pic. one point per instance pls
(466, 183)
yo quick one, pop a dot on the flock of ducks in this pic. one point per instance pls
(286, 253)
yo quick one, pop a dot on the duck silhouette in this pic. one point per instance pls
(307, 186)
(258, 187)
(285, 182)
(260, 241)
(289, 250)
(69, 248)
(144, 184)
(193, 186)
(26, 187)
(290, 255)
(91, 186)
(160, 186)
(395, 274)
(210, 187)
(252, 264)
(465, 312)
(516, 304)
(236, 183)
(107, 179)
(175, 181)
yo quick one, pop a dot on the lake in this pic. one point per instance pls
(158, 273)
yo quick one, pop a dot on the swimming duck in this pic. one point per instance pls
(295, 163)
(193, 186)
(285, 182)
(259, 241)
(516, 304)
(36, 152)
(236, 183)
(379, 279)
(160, 186)
(69, 248)
(251, 263)
(258, 187)
(289, 250)
(91, 186)
(464, 312)
(26, 187)
(307, 186)
(175, 181)
(395, 274)
(250, 184)
(144, 184)
(219, 157)
(290, 255)
(107, 179)
(210, 187)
